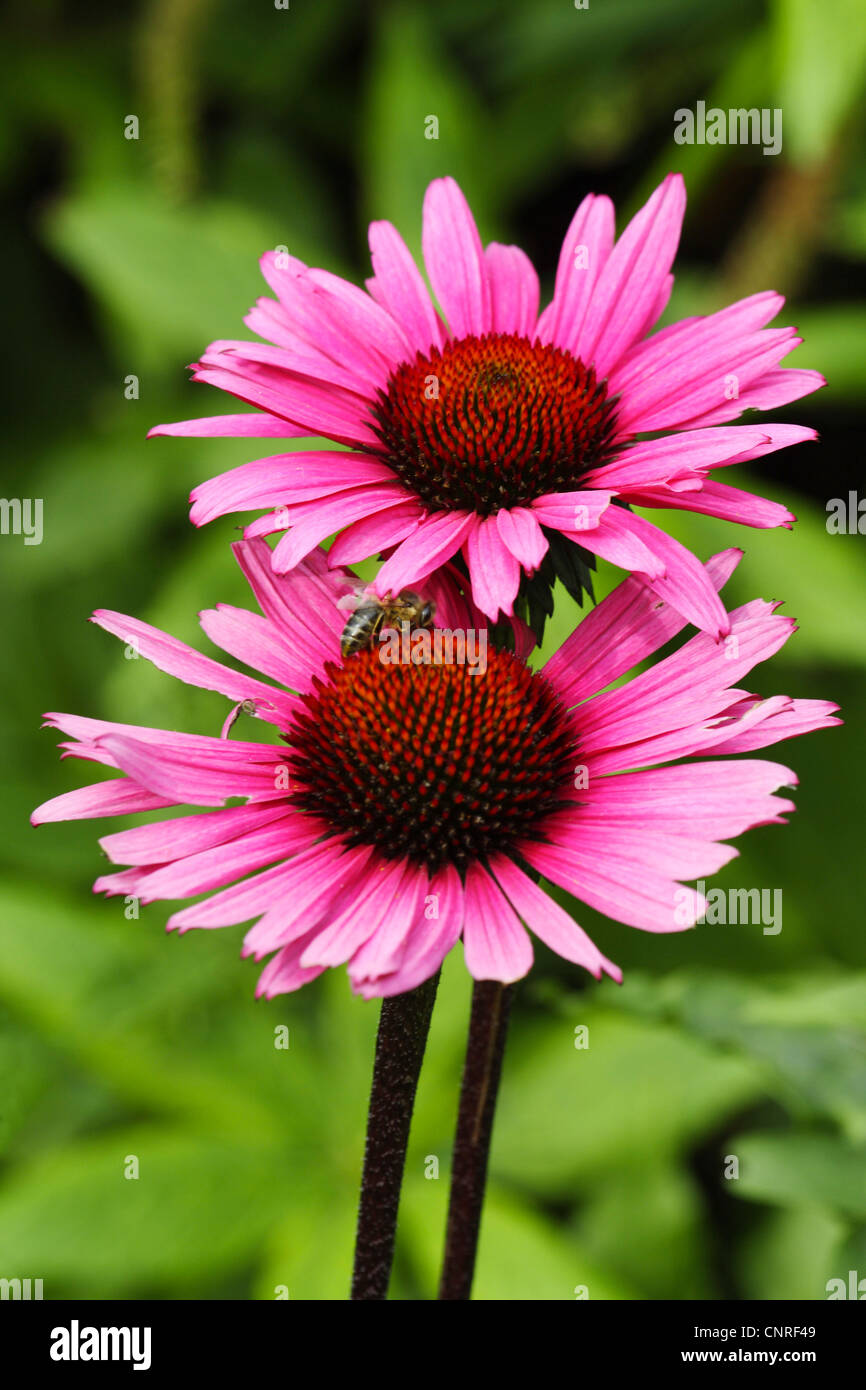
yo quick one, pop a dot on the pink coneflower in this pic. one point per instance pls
(411, 804)
(509, 436)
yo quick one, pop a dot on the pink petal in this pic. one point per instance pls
(800, 717)
(337, 940)
(630, 624)
(684, 584)
(691, 684)
(706, 733)
(303, 607)
(117, 797)
(652, 359)
(585, 250)
(284, 973)
(177, 659)
(254, 425)
(310, 866)
(325, 877)
(373, 534)
(437, 538)
(455, 260)
(253, 640)
(193, 779)
(497, 947)
(283, 478)
(673, 855)
(338, 318)
(773, 389)
(372, 327)
(718, 499)
(315, 409)
(383, 951)
(549, 921)
(710, 800)
(429, 941)
(572, 512)
(702, 382)
(520, 532)
(690, 452)
(218, 865)
(513, 290)
(614, 539)
(633, 277)
(401, 288)
(494, 571)
(311, 522)
(622, 889)
(173, 839)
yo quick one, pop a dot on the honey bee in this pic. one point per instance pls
(372, 614)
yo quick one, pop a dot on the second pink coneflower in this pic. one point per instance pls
(409, 804)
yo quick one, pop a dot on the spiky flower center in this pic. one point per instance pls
(493, 421)
(444, 763)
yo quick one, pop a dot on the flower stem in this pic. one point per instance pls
(488, 1025)
(403, 1027)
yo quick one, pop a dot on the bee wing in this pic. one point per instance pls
(349, 602)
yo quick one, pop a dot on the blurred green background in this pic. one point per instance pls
(262, 127)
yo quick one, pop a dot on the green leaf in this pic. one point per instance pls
(801, 567)
(821, 55)
(638, 1093)
(803, 1169)
(652, 1233)
(821, 1059)
(408, 83)
(200, 1206)
(118, 998)
(170, 278)
(790, 1254)
(521, 1256)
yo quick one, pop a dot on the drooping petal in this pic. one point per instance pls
(384, 949)
(623, 889)
(497, 946)
(184, 777)
(339, 938)
(373, 534)
(630, 624)
(521, 533)
(684, 583)
(323, 878)
(177, 659)
(549, 921)
(311, 522)
(429, 941)
(719, 499)
(494, 571)
(284, 478)
(435, 541)
(173, 839)
(116, 797)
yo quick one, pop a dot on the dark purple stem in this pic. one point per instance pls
(488, 1025)
(403, 1027)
